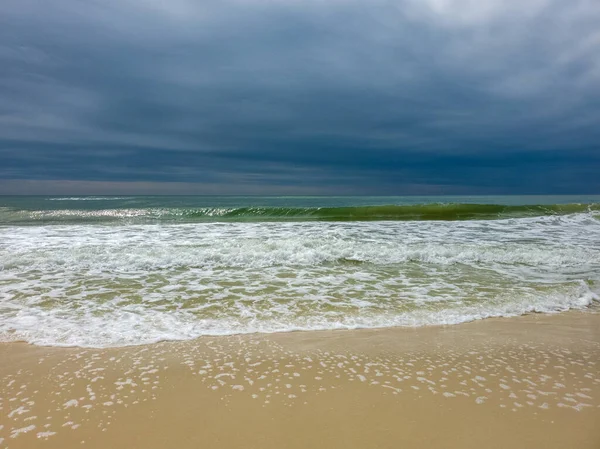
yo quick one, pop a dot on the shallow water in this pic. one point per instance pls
(100, 275)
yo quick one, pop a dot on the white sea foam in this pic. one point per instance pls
(94, 285)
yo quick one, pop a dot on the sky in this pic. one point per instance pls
(300, 97)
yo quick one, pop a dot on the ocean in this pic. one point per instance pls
(108, 271)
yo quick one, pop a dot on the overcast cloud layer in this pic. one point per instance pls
(286, 96)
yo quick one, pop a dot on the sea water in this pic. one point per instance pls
(114, 271)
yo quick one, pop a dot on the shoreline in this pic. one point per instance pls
(592, 307)
(436, 386)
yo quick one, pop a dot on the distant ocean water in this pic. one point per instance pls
(114, 271)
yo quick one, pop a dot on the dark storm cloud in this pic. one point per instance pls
(331, 97)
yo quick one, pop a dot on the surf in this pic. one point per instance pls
(419, 212)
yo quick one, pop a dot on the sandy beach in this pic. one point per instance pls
(525, 382)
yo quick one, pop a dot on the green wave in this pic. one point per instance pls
(412, 212)
(437, 211)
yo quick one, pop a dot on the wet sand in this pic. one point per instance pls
(523, 382)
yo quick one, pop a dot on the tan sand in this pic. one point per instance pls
(529, 382)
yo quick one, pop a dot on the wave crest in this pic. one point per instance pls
(422, 212)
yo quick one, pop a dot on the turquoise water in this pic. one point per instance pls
(36, 210)
(113, 271)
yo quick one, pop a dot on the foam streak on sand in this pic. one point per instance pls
(459, 386)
